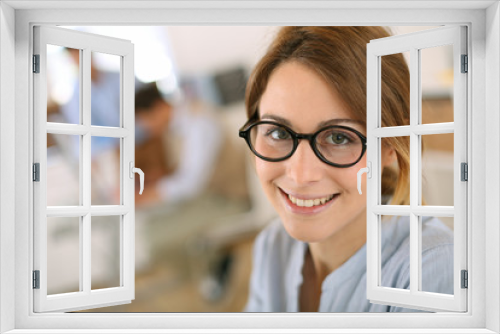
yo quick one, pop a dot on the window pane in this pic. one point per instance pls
(105, 89)
(105, 173)
(63, 255)
(63, 86)
(105, 252)
(63, 170)
(395, 91)
(436, 68)
(393, 172)
(437, 169)
(437, 254)
(395, 252)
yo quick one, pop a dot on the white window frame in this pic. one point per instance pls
(16, 21)
(415, 297)
(86, 297)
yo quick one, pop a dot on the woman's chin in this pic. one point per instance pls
(304, 232)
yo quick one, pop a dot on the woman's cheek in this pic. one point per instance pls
(259, 168)
(265, 172)
(353, 176)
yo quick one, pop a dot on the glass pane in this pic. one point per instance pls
(437, 169)
(63, 85)
(63, 170)
(105, 88)
(436, 66)
(105, 173)
(437, 254)
(395, 251)
(63, 255)
(394, 191)
(105, 252)
(395, 90)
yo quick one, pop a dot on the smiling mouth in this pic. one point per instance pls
(312, 202)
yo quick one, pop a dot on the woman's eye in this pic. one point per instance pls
(338, 138)
(279, 134)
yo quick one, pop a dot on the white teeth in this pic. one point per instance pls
(309, 202)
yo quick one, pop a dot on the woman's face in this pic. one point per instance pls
(299, 97)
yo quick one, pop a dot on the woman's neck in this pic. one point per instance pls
(330, 254)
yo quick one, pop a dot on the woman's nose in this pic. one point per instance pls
(304, 166)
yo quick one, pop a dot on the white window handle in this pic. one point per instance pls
(368, 171)
(138, 171)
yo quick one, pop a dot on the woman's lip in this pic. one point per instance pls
(306, 210)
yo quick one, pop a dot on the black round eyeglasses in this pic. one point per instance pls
(337, 145)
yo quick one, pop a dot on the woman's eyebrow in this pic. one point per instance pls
(277, 119)
(337, 121)
(334, 121)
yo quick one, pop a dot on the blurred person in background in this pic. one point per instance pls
(153, 115)
(105, 101)
(105, 111)
(177, 148)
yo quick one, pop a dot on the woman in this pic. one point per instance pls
(306, 104)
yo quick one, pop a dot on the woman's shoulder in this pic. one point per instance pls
(434, 233)
(274, 236)
(274, 258)
(436, 254)
(275, 246)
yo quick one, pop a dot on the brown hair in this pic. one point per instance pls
(146, 96)
(338, 55)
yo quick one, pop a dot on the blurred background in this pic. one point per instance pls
(202, 204)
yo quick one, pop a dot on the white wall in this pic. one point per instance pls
(7, 188)
(491, 167)
(226, 46)
(219, 46)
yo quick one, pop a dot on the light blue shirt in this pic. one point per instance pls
(278, 259)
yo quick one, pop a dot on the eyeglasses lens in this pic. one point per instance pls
(339, 146)
(271, 141)
(336, 145)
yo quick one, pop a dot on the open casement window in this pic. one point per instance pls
(420, 211)
(83, 217)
